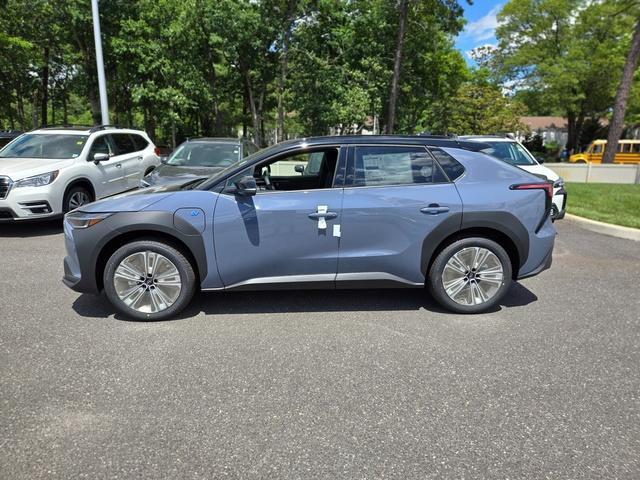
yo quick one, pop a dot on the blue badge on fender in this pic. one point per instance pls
(194, 213)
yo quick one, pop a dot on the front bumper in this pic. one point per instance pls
(30, 203)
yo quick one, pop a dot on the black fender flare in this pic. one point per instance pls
(499, 221)
(94, 245)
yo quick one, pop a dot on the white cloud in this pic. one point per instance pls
(483, 28)
(477, 52)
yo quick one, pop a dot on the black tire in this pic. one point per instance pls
(184, 267)
(435, 282)
(74, 193)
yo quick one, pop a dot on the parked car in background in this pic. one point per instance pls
(7, 135)
(380, 211)
(199, 157)
(51, 171)
(514, 153)
(628, 152)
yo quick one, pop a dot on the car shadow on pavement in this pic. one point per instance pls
(39, 228)
(300, 301)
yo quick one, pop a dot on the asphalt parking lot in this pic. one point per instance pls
(359, 384)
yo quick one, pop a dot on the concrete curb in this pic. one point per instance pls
(606, 228)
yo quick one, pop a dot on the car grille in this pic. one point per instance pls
(5, 186)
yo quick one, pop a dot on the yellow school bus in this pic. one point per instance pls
(628, 152)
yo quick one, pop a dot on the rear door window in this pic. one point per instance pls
(391, 165)
(123, 142)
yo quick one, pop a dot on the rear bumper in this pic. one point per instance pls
(545, 265)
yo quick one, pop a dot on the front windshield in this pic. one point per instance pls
(51, 146)
(194, 154)
(510, 152)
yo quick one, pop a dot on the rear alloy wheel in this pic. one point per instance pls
(75, 198)
(148, 280)
(471, 275)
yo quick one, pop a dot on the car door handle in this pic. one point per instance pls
(328, 215)
(118, 165)
(434, 209)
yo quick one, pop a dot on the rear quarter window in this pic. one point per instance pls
(139, 142)
(450, 165)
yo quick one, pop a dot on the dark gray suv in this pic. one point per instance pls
(199, 157)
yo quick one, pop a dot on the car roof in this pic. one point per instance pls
(84, 129)
(488, 138)
(622, 140)
(215, 140)
(434, 141)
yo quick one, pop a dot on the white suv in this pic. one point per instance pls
(50, 171)
(511, 151)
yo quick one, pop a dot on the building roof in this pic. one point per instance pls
(544, 123)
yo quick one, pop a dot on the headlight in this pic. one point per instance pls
(558, 183)
(85, 220)
(37, 180)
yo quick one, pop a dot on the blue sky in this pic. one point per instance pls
(480, 27)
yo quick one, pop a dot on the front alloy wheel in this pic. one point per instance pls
(149, 280)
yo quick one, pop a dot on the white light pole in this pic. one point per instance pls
(102, 82)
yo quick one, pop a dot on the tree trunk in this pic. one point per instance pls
(622, 96)
(65, 117)
(34, 110)
(244, 113)
(45, 87)
(280, 133)
(255, 119)
(397, 64)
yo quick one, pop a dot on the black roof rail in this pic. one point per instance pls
(63, 125)
(444, 137)
(97, 128)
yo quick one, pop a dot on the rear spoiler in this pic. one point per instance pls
(453, 142)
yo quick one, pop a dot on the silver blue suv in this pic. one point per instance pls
(374, 211)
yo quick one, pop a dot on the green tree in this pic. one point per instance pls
(564, 53)
(480, 108)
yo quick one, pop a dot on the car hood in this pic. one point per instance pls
(136, 200)
(19, 168)
(541, 170)
(126, 202)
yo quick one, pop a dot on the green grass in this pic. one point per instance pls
(605, 202)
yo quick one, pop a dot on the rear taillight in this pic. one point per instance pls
(547, 187)
(157, 151)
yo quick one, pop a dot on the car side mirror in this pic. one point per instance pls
(100, 157)
(164, 159)
(540, 159)
(299, 168)
(246, 186)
